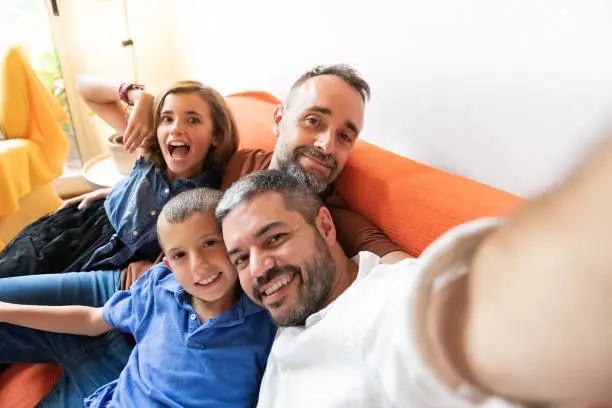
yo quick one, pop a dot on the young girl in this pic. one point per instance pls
(200, 341)
(195, 138)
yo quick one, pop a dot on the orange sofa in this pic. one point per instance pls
(411, 202)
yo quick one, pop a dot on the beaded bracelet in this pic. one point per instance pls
(124, 88)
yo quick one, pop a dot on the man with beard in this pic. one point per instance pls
(493, 314)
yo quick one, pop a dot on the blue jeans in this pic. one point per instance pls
(87, 363)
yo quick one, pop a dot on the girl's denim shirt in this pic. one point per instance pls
(133, 206)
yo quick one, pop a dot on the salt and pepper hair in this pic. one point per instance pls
(297, 196)
(343, 71)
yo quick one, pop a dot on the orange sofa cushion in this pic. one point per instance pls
(411, 202)
(23, 385)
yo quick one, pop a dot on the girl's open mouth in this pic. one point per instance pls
(178, 150)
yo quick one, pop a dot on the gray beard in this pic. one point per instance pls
(321, 271)
(310, 180)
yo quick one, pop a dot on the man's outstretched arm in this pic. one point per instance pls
(540, 312)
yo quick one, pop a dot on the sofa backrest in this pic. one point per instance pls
(411, 202)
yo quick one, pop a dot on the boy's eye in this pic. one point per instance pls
(177, 255)
(210, 243)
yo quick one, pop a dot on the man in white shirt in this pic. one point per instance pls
(476, 321)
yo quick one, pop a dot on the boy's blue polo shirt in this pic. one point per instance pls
(179, 362)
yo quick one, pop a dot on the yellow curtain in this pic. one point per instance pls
(30, 118)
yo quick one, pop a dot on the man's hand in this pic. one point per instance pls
(140, 123)
(87, 198)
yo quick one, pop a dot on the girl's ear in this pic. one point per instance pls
(215, 140)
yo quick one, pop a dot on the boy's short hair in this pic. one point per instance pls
(190, 202)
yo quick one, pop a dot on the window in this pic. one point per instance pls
(26, 23)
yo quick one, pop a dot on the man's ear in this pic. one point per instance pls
(166, 262)
(326, 226)
(278, 117)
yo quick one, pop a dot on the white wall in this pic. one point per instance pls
(89, 35)
(152, 27)
(509, 93)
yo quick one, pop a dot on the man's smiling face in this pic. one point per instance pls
(317, 129)
(283, 262)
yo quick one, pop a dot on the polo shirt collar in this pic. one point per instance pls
(244, 307)
(170, 284)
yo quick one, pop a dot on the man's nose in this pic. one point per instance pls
(325, 142)
(259, 264)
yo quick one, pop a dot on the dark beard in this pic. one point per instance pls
(316, 181)
(312, 295)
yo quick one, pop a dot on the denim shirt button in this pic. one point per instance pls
(193, 316)
(135, 233)
(153, 212)
(167, 190)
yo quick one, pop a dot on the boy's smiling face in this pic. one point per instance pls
(195, 252)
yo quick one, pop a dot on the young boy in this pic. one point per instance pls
(200, 342)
